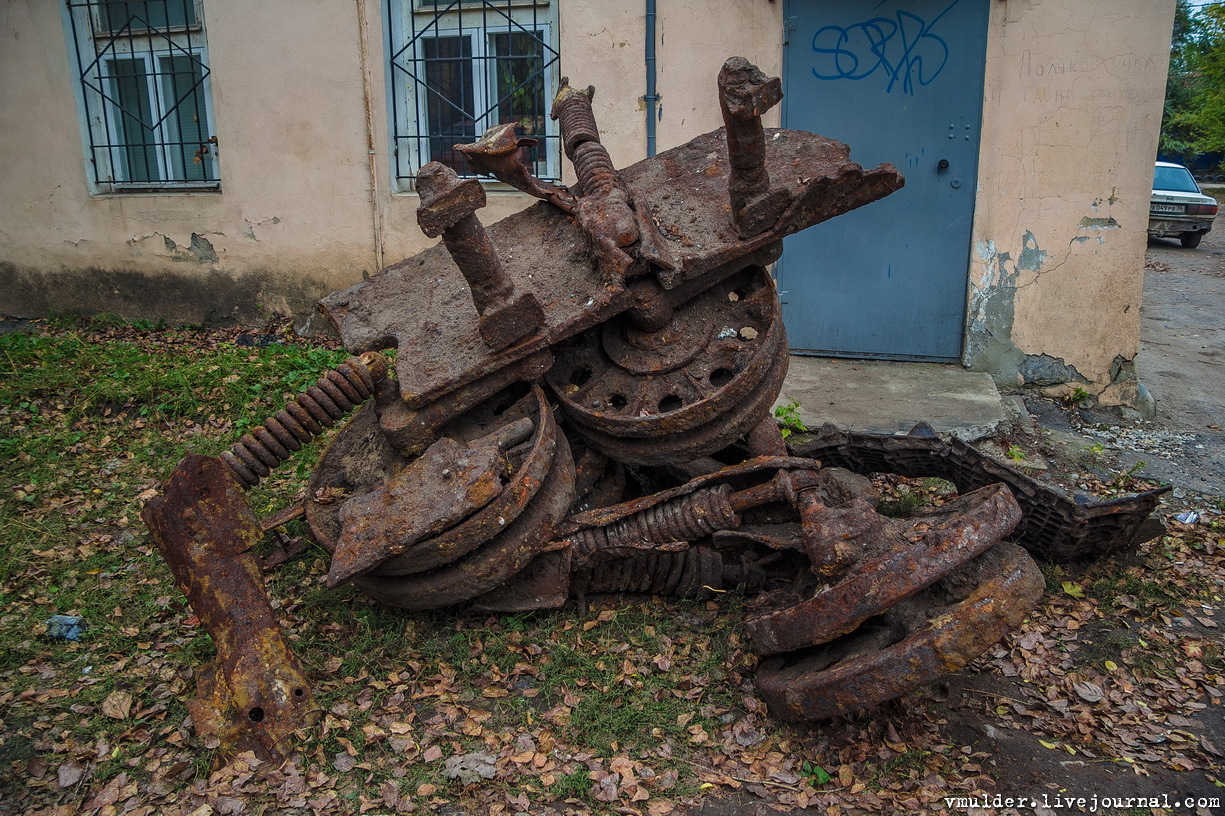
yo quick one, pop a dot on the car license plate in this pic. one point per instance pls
(1167, 208)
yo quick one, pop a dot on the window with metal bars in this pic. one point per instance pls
(459, 67)
(143, 73)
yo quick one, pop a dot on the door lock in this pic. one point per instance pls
(942, 165)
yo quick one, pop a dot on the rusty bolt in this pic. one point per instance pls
(745, 93)
(448, 208)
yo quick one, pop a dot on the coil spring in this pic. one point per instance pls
(577, 122)
(581, 137)
(594, 169)
(690, 573)
(335, 394)
(687, 518)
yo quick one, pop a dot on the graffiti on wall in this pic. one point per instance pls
(905, 50)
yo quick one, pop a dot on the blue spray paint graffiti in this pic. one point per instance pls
(904, 48)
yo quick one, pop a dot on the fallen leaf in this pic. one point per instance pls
(70, 773)
(1072, 589)
(1089, 692)
(117, 705)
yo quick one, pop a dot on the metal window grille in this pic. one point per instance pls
(459, 67)
(144, 88)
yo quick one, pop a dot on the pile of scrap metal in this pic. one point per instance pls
(581, 404)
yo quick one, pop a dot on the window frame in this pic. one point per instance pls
(95, 51)
(410, 23)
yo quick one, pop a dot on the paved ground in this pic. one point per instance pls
(888, 397)
(1181, 362)
(1182, 357)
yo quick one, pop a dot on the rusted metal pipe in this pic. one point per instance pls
(204, 529)
(745, 93)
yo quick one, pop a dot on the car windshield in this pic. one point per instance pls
(1176, 179)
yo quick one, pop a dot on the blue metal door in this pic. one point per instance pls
(899, 81)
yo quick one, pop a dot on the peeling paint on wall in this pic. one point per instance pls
(1088, 223)
(1043, 369)
(200, 250)
(1126, 390)
(991, 312)
(248, 230)
(1032, 257)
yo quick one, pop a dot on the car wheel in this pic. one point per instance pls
(1191, 240)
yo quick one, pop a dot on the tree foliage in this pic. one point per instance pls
(1194, 120)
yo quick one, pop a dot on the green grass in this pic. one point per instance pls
(94, 414)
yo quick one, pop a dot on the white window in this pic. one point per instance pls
(459, 67)
(144, 94)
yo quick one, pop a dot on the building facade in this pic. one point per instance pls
(209, 160)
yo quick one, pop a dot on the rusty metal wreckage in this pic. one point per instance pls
(624, 324)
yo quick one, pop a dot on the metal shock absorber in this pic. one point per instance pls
(335, 394)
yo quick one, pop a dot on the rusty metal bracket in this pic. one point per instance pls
(203, 527)
(940, 631)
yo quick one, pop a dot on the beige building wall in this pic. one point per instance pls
(1073, 104)
(1072, 109)
(292, 221)
(306, 204)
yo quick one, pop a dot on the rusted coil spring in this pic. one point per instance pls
(595, 170)
(687, 518)
(335, 394)
(592, 164)
(684, 574)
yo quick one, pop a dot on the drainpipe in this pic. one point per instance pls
(651, 98)
(376, 218)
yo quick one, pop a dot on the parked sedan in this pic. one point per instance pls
(1178, 209)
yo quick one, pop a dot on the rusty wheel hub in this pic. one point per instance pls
(684, 391)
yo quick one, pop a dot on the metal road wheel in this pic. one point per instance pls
(923, 549)
(360, 460)
(684, 391)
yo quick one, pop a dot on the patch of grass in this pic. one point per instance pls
(575, 785)
(901, 766)
(901, 504)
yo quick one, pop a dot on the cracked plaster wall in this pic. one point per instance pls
(1073, 103)
(297, 216)
(602, 45)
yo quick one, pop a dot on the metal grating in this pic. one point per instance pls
(143, 76)
(459, 67)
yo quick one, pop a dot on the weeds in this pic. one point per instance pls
(788, 417)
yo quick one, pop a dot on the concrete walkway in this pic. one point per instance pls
(890, 397)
